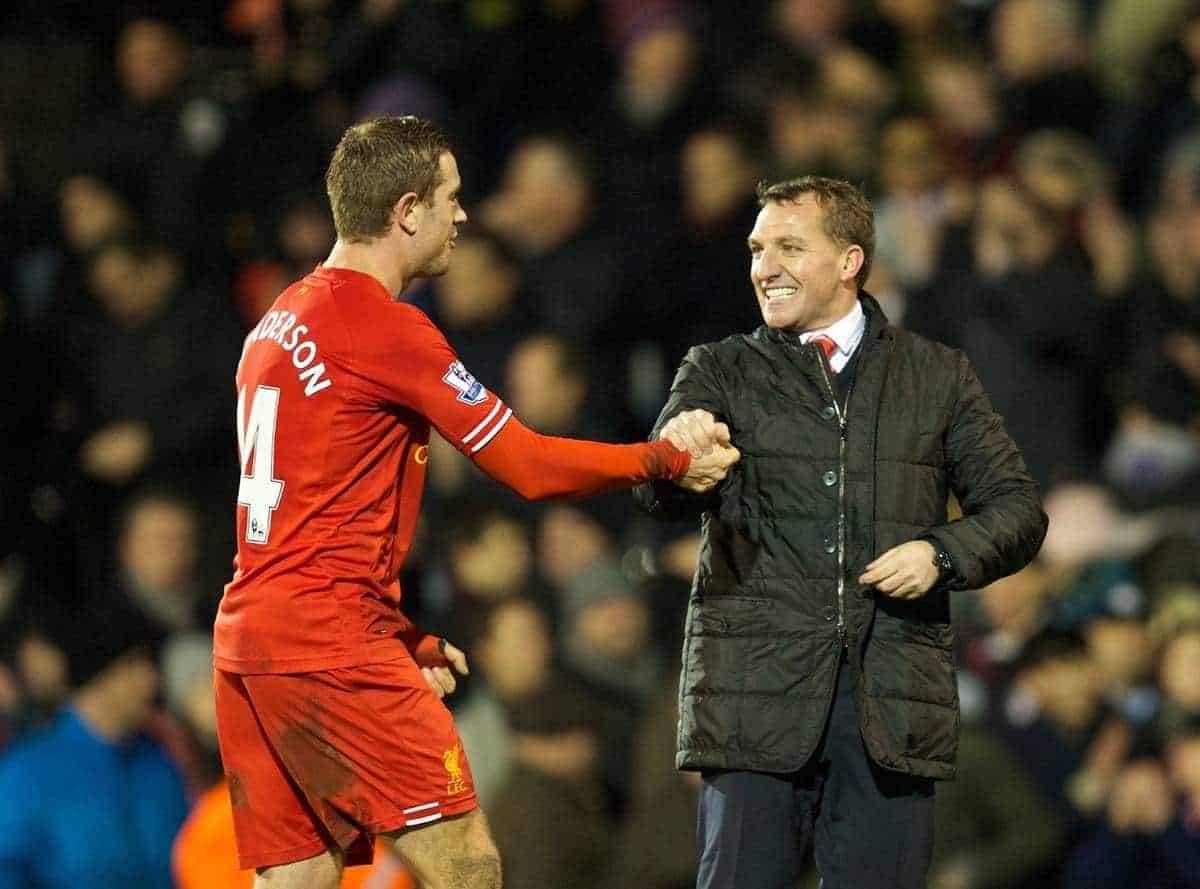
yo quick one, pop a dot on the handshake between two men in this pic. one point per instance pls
(707, 440)
(906, 571)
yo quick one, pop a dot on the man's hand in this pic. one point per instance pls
(706, 471)
(696, 432)
(441, 678)
(903, 572)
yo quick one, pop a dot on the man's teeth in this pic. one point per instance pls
(780, 292)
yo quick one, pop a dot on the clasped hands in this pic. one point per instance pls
(707, 440)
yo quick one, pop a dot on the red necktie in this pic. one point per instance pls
(828, 346)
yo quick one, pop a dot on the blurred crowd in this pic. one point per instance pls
(1035, 168)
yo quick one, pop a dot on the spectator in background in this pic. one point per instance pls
(921, 208)
(554, 781)
(153, 138)
(146, 381)
(1143, 843)
(568, 541)
(156, 571)
(962, 98)
(549, 387)
(1179, 678)
(921, 29)
(36, 665)
(1164, 107)
(544, 211)
(1053, 719)
(559, 388)
(605, 629)
(1154, 458)
(695, 291)
(657, 94)
(1066, 172)
(489, 559)
(91, 212)
(657, 842)
(91, 800)
(302, 237)
(480, 305)
(42, 673)
(995, 830)
(1041, 53)
(1028, 317)
(534, 750)
(514, 650)
(810, 129)
(606, 632)
(1013, 610)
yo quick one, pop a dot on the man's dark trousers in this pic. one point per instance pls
(872, 828)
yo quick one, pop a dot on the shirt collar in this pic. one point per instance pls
(846, 332)
(337, 276)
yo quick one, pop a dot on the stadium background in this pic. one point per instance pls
(1035, 168)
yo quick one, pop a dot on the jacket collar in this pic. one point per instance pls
(877, 325)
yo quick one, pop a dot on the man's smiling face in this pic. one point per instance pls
(802, 278)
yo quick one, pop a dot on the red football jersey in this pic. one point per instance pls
(336, 389)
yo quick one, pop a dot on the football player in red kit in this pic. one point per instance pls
(329, 708)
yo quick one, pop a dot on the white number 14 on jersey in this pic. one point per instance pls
(259, 490)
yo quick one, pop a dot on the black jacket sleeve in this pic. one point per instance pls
(1003, 524)
(696, 387)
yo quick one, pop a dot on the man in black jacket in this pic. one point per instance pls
(818, 695)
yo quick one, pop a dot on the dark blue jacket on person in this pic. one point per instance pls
(78, 811)
(1166, 860)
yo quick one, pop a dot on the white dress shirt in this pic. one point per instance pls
(847, 332)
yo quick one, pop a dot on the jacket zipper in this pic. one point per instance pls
(841, 521)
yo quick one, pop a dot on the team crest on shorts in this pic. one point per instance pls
(452, 760)
(470, 390)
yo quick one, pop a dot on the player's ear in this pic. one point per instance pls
(406, 212)
(853, 258)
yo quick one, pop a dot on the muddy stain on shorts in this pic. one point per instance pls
(325, 777)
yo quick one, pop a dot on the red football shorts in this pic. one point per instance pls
(334, 757)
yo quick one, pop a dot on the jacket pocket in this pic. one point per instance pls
(730, 643)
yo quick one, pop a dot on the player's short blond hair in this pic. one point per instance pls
(376, 163)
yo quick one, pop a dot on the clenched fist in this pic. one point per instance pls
(696, 432)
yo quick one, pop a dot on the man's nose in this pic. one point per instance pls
(766, 268)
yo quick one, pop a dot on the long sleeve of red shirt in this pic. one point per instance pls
(540, 467)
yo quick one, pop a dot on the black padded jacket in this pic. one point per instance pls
(821, 491)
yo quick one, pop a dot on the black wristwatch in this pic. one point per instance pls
(942, 561)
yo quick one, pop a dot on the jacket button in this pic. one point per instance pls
(828, 612)
(828, 412)
(829, 478)
(830, 546)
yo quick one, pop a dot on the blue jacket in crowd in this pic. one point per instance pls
(78, 811)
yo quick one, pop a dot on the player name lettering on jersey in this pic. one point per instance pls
(282, 329)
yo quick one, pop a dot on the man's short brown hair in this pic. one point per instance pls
(848, 215)
(376, 163)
